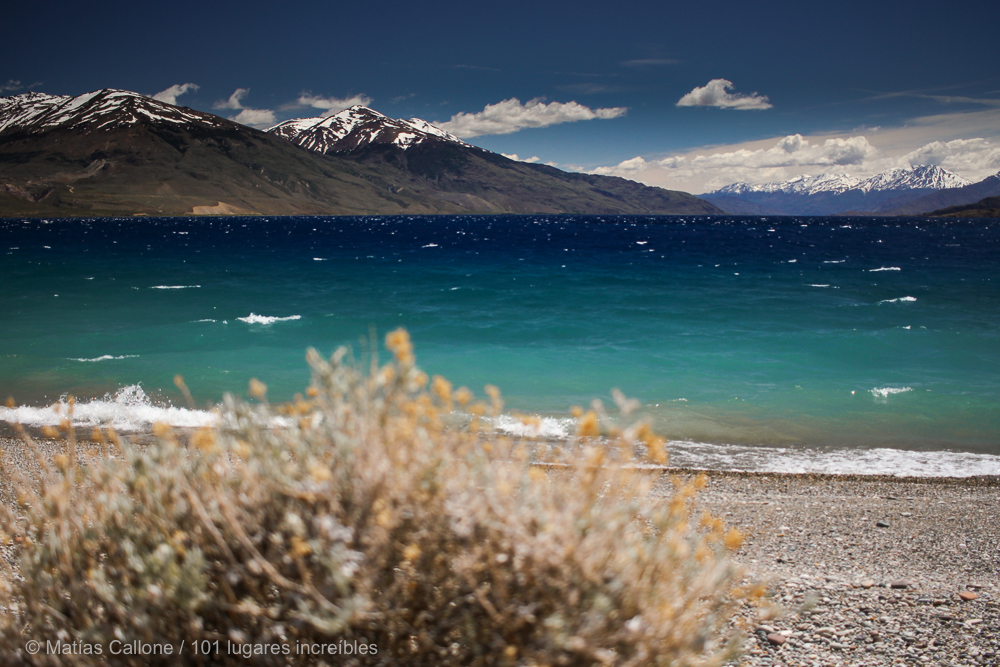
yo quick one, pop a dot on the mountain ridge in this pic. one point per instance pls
(114, 152)
(834, 194)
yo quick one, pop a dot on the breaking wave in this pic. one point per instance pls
(265, 319)
(129, 409)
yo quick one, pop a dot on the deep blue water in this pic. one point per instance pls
(741, 336)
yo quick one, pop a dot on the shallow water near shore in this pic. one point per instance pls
(806, 344)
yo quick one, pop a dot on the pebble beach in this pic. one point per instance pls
(867, 571)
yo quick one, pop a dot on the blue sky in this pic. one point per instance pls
(867, 85)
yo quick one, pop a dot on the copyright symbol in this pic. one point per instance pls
(33, 647)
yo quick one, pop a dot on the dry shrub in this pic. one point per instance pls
(363, 513)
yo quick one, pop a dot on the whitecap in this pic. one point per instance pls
(107, 357)
(430, 245)
(885, 268)
(265, 319)
(900, 299)
(544, 427)
(319, 259)
(175, 287)
(882, 394)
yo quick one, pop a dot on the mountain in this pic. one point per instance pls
(430, 162)
(984, 208)
(832, 194)
(968, 194)
(115, 152)
(356, 128)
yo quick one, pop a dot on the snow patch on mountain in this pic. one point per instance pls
(101, 109)
(356, 127)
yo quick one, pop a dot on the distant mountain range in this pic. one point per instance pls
(912, 191)
(115, 152)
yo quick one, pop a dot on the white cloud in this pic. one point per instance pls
(793, 153)
(10, 86)
(255, 117)
(510, 116)
(716, 94)
(235, 100)
(962, 156)
(330, 105)
(513, 156)
(778, 159)
(171, 94)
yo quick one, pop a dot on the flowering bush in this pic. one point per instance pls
(366, 511)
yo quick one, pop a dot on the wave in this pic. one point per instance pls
(129, 409)
(882, 394)
(900, 299)
(107, 357)
(885, 268)
(839, 461)
(539, 427)
(175, 287)
(266, 319)
(757, 458)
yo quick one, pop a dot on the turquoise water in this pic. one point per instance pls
(742, 337)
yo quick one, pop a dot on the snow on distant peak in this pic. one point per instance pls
(928, 177)
(100, 109)
(799, 185)
(357, 127)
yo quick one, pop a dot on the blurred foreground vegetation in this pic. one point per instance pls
(367, 512)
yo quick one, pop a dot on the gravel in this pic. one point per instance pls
(924, 590)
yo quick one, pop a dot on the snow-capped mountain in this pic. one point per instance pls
(926, 177)
(798, 185)
(358, 127)
(101, 109)
(831, 194)
(929, 177)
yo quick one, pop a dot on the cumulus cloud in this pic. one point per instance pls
(963, 156)
(254, 117)
(716, 94)
(787, 156)
(171, 94)
(514, 156)
(510, 116)
(246, 116)
(330, 105)
(235, 100)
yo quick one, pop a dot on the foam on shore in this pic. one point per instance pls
(128, 410)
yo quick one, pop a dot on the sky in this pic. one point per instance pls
(689, 96)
